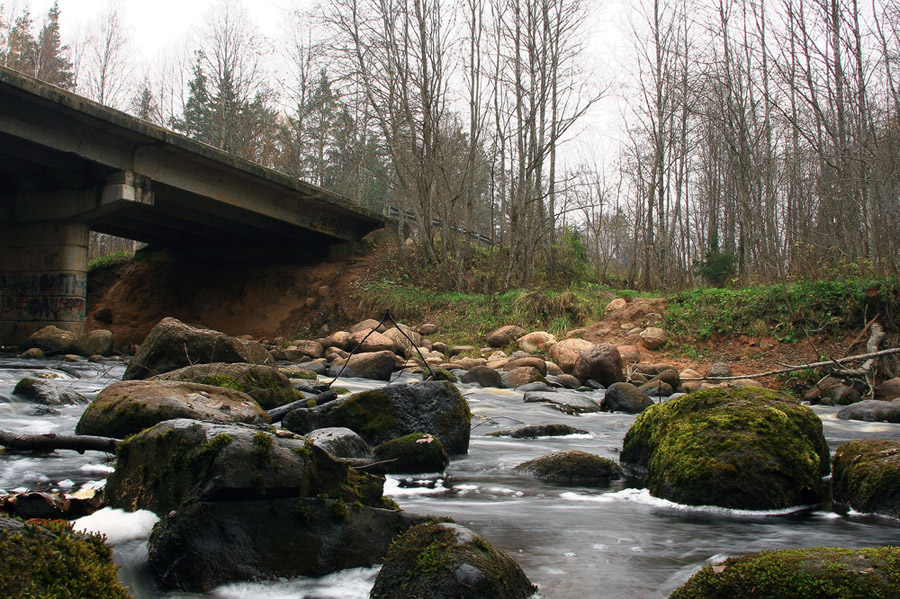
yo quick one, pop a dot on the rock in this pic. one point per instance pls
(615, 304)
(535, 387)
(48, 393)
(401, 338)
(534, 342)
(367, 325)
(821, 572)
(522, 376)
(372, 341)
(415, 453)
(171, 344)
(657, 388)
(572, 467)
(370, 365)
(483, 377)
(434, 407)
(306, 371)
(568, 403)
(531, 361)
(651, 319)
(553, 369)
(866, 477)
(341, 340)
(872, 410)
(653, 338)
(815, 393)
(266, 384)
(439, 560)
(310, 349)
(440, 347)
(566, 352)
(840, 395)
(469, 363)
(51, 340)
(429, 328)
(719, 369)
(601, 363)
(631, 354)
(128, 407)
(625, 397)
(46, 559)
(567, 381)
(533, 431)
(103, 316)
(33, 354)
(97, 342)
(457, 350)
(735, 448)
(889, 389)
(504, 335)
(340, 442)
(662, 371)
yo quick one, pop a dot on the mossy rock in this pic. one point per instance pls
(866, 476)
(748, 448)
(572, 467)
(439, 560)
(47, 560)
(412, 454)
(266, 384)
(48, 393)
(533, 431)
(440, 374)
(820, 572)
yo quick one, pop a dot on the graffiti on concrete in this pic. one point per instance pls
(47, 296)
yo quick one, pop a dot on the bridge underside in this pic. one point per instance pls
(69, 166)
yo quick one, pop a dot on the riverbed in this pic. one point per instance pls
(573, 542)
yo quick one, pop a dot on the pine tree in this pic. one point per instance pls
(196, 119)
(144, 105)
(52, 62)
(20, 46)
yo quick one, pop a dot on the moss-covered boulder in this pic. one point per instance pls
(820, 572)
(748, 448)
(46, 559)
(412, 454)
(128, 407)
(433, 407)
(572, 467)
(446, 561)
(171, 344)
(866, 477)
(48, 393)
(266, 384)
(533, 431)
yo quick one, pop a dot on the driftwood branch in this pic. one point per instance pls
(875, 340)
(278, 414)
(52, 441)
(873, 355)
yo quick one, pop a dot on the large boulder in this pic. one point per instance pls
(504, 335)
(266, 384)
(171, 344)
(128, 407)
(653, 338)
(820, 572)
(601, 363)
(372, 341)
(535, 342)
(522, 375)
(340, 442)
(872, 410)
(625, 397)
(748, 448)
(439, 560)
(416, 453)
(866, 476)
(47, 392)
(566, 352)
(368, 365)
(483, 377)
(96, 343)
(404, 338)
(52, 340)
(46, 559)
(572, 467)
(433, 407)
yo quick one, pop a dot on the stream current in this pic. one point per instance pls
(573, 542)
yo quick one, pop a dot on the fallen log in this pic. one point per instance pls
(875, 339)
(278, 414)
(52, 442)
(878, 354)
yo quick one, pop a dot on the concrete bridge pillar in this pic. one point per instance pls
(43, 274)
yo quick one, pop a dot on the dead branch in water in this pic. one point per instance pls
(52, 442)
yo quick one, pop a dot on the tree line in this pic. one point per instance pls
(761, 139)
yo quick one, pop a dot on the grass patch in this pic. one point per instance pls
(108, 260)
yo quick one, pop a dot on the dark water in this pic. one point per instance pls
(574, 542)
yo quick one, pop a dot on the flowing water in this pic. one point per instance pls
(573, 542)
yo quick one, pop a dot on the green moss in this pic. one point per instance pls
(866, 476)
(370, 413)
(440, 374)
(572, 467)
(820, 572)
(339, 510)
(262, 450)
(49, 561)
(389, 504)
(408, 456)
(742, 448)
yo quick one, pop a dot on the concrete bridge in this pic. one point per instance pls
(69, 166)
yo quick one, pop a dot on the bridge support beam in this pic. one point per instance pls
(43, 277)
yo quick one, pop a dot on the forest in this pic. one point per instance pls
(761, 140)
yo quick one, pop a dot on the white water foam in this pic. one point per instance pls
(346, 584)
(643, 496)
(118, 525)
(98, 468)
(393, 488)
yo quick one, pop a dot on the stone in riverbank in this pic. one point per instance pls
(446, 561)
(601, 363)
(368, 365)
(483, 377)
(866, 477)
(171, 344)
(737, 448)
(625, 397)
(266, 384)
(572, 467)
(820, 572)
(504, 335)
(128, 407)
(872, 410)
(434, 407)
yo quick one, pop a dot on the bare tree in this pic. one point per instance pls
(107, 70)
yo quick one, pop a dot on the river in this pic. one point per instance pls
(573, 542)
